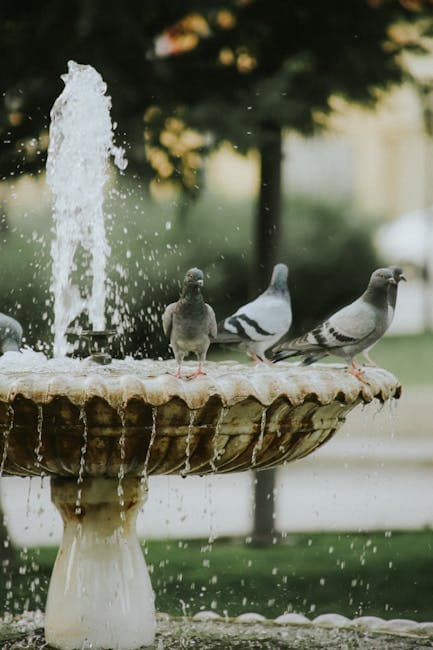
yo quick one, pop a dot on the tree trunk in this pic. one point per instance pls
(268, 237)
(268, 217)
(427, 100)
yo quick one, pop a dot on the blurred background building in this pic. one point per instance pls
(379, 160)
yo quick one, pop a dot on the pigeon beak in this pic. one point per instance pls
(402, 277)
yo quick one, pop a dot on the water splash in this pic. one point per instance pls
(392, 416)
(29, 492)
(81, 143)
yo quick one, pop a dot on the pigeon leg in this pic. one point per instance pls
(254, 357)
(179, 360)
(357, 372)
(370, 361)
(198, 372)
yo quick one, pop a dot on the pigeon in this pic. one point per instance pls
(351, 330)
(190, 323)
(11, 334)
(260, 324)
(398, 274)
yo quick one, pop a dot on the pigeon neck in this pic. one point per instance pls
(376, 295)
(277, 289)
(392, 295)
(191, 292)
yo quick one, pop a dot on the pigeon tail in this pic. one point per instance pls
(280, 355)
(312, 358)
(226, 337)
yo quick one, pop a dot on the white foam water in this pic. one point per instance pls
(81, 144)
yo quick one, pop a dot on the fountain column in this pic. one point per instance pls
(100, 595)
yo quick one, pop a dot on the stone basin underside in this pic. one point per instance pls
(135, 419)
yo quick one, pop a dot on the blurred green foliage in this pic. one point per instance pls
(353, 574)
(230, 68)
(327, 248)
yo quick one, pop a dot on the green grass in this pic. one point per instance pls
(409, 357)
(381, 574)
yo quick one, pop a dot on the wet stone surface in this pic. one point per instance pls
(176, 635)
(133, 418)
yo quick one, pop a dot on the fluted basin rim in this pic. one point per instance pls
(153, 383)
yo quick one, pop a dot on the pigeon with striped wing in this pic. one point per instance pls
(350, 330)
(260, 324)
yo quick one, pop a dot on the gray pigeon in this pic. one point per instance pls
(260, 324)
(350, 330)
(11, 334)
(398, 274)
(190, 322)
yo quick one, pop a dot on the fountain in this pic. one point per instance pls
(99, 431)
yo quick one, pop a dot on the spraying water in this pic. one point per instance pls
(81, 144)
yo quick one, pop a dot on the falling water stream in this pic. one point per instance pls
(38, 448)
(258, 446)
(216, 438)
(144, 474)
(83, 453)
(121, 473)
(187, 467)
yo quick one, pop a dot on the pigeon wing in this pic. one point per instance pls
(347, 326)
(258, 320)
(213, 327)
(167, 318)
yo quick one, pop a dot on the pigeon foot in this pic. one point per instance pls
(357, 372)
(177, 374)
(195, 374)
(198, 372)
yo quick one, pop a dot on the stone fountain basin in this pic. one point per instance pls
(72, 418)
(99, 431)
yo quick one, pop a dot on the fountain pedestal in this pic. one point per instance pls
(100, 594)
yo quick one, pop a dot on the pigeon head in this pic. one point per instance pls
(398, 273)
(381, 279)
(279, 277)
(193, 278)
